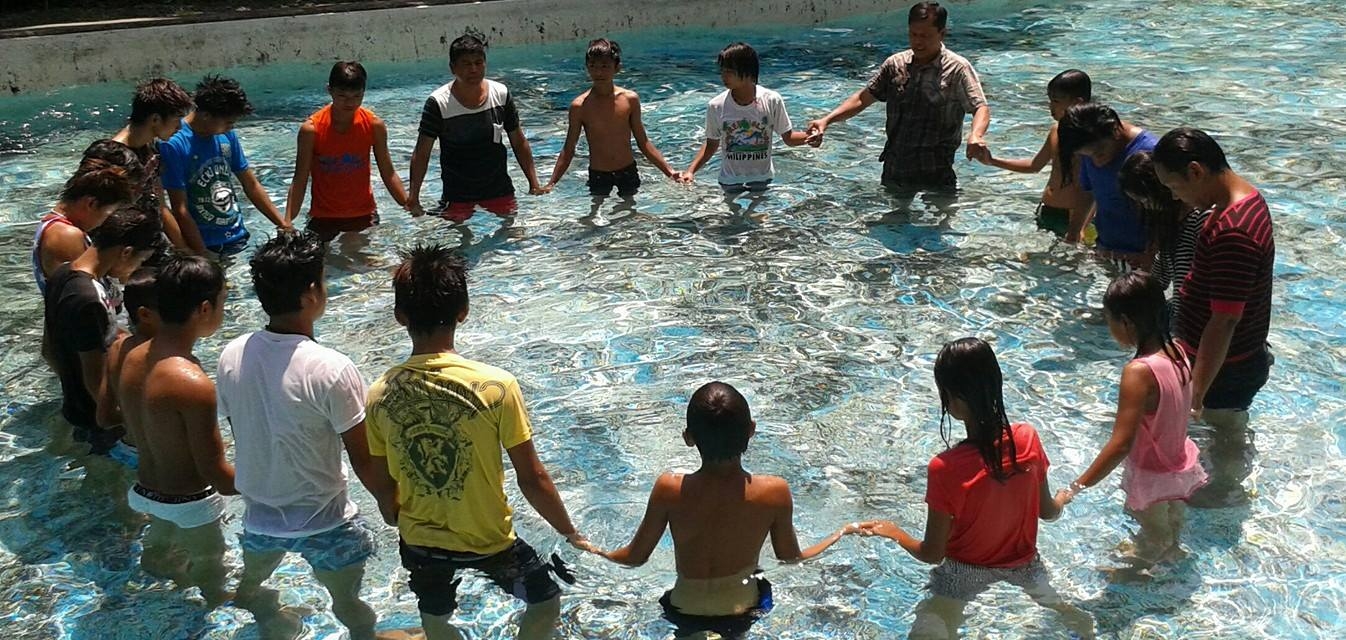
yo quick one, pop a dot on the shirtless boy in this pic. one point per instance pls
(720, 516)
(168, 403)
(1068, 88)
(609, 116)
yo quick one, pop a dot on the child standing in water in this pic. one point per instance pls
(719, 516)
(985, 496)
(1068, 88)
(1150, 432)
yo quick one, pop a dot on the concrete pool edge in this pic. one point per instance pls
(406, 34)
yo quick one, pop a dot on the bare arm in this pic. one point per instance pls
(784, 538)
(191, 235)
(643, 141)
(849, 108)
(420, 163)
(573, 128)
(303, 166)
(523, 153)
(703, 156)
(372, 472)
(538, 490)
(1033, 165)
(1080, 216)
(931, 549)
(93, 366)
(794, 138)
(651, 528)
(387, 170)
(1049, 508)
(257, 195)
(1137, 389)
(976, 139)
(1211, 354)
(108, 412)
(198, 412)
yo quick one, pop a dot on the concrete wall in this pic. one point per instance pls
(35, 64)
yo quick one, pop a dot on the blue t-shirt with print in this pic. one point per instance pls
(204, 167)
(1120, 227)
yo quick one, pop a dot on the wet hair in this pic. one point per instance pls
(134, 227)
(1081, 126)
(604, 49)
(285, 267)
(139, 292)
(922, 11)
(159, 97)
(115, 154)
(104, 182)
(466, 45)
(221, 97)
(184, 282)
(1159, 210)
(430, 288)
(720, 422)
(1072, 84)
(740, 59)
(348, 76)
(967, 369)
(1183, 146)
(1139, 298)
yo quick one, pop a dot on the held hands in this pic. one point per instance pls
(577, 540)
(977, 150)
(539, 190)
(683, 177)
(882, 528)
(815, 133)
(413, 206)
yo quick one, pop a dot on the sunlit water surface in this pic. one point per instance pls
(826, 313)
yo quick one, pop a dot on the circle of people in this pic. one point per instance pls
(139, 227)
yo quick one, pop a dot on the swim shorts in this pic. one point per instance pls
(459, 212)
(757, 186)
(329, 228)
(187, 512)
(960, 581)
(626, 180)
(1053, 219)
(728, 626)
(517, 571)
(231, 248)
(331, 550)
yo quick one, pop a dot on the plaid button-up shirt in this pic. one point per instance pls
(926, 106)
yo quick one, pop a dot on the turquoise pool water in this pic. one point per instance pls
(826, 313)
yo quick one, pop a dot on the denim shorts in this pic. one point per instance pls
(331, 550)
(517, 571)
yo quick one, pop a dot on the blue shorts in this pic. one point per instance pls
(346, 545)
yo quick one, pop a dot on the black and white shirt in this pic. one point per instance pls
(471, 142)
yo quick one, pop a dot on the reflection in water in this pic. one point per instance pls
(817, 302)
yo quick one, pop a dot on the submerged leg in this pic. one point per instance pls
(344, 587)
(539, 620)
(938, 618)
(205, 554)
(273, 620)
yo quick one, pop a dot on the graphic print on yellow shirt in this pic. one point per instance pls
(443, 422)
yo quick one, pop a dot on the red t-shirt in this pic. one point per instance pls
(994, 524)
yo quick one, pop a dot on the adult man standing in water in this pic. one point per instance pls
(928, 90)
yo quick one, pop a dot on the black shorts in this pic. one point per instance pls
(329, 228)
(727, 626)
(517, 571)
(626, 180)
(1053, 219)
(1237, 383)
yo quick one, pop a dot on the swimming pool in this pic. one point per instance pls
(825, 313)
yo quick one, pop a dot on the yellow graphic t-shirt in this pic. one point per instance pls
(442, 420)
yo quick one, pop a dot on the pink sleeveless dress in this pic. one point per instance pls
(1163, 463)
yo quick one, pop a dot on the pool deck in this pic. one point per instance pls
(43, 58)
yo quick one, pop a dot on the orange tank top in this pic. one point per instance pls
(341, 184)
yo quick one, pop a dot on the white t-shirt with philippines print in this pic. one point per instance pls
(745, 134)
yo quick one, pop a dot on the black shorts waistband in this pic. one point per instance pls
(627, 170)
(164, 498)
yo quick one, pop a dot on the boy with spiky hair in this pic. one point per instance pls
(157, 109)
(609, 116)
(438, 423)
(293, 406)
(199, 162)
(334, 148)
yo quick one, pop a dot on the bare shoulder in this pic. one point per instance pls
(668, 485)
(308, 128)
(185, 380)
(628, 94)
(578, 102)
(770, 490)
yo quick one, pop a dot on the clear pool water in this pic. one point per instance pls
(826, 313)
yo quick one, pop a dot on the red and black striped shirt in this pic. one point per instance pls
(1231, 273)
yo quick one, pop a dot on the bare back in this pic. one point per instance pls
(719, 522)
(154, 390)
(1056, 194)
(607, 128)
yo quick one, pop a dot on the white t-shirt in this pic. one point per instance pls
(746, 133)
(288, 400)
